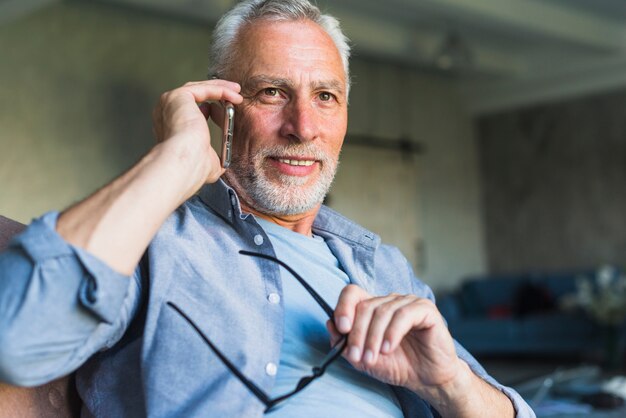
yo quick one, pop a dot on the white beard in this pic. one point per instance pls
(284, 195)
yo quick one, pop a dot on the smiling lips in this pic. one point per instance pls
(305, 163)
(295, 166)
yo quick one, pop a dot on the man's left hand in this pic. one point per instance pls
(403, 340)
(398, 339)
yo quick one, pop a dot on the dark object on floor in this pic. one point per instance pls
(603, 400)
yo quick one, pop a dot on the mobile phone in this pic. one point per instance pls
(227, 133)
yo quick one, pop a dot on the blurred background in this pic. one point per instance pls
(485, 137)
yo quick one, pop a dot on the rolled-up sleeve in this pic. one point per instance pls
(58, 305)
(522, 409)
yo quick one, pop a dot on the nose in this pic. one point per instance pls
(300, 121)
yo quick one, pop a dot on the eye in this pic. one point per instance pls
(325, 96)
(271, 91)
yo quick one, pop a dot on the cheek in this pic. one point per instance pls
(336, 132)
(253, 128)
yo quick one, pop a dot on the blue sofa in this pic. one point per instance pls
(519, 314)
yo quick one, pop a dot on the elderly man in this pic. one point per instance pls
(183, 289)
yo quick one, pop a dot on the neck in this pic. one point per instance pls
(301, 223)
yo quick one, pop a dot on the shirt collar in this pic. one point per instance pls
(224, 201)
(328, 221)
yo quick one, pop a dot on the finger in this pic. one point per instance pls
(213, 90)
(212, 178)
(349, 297)
(375, 342)
(419, 315)
(364, 311)
(217, 81)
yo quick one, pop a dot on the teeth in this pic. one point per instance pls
(305, 163)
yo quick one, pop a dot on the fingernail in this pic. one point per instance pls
(354, 354)
(368, 357)
(386, 347)
(344, 324)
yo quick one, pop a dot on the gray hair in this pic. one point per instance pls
(247, 11)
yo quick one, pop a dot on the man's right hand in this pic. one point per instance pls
(181, 129)
(118, 222)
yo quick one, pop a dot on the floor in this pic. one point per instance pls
(538, 381)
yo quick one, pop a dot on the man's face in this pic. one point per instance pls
(290, 127)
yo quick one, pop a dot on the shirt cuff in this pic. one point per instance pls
(522, 409)
(102, 289)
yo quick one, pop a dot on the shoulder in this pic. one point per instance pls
(393, 271)
(334, 223)
(396, 270)
(196, 211)
(189, 219)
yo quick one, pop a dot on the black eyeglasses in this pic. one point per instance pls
(333, 354)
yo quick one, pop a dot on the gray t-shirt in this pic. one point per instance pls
(342, 391)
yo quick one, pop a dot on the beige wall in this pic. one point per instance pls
(392, 102)
(78, 81)
(77, 85)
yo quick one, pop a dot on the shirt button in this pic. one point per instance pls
(233, 200)
(274, 298)
(271, 369)
(258, 239)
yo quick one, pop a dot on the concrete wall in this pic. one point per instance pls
(77, 85)
(555, 184)
(390, 102)
(78, 82)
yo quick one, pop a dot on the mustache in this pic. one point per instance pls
(307, 150)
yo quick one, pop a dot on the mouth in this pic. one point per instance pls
(295, 166)
(296, 162)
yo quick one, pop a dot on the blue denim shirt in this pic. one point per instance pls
(62, 309)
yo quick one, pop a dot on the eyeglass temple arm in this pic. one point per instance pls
(317, 371)
(329, 311)
(262, 396)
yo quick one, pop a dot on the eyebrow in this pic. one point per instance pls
(259, 80)
(336, 85)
